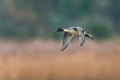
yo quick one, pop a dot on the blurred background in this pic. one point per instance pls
(33, 18)
(29, 50)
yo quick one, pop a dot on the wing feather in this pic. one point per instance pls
(66, 40)
(81, 36)
(82, 39)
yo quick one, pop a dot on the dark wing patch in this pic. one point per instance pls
(75, 29)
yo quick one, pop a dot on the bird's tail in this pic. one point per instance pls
(89, 35)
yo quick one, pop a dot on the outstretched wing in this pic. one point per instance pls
(66, 40)
(81, 35)
(82, 39)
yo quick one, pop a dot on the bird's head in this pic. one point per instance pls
(59, 30)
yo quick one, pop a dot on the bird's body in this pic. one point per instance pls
(71, 32)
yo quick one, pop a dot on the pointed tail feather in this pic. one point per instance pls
(89, 35)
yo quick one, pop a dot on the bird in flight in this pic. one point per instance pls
(71, 32)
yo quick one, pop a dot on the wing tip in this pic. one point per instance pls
(81, 45)
(62, 49)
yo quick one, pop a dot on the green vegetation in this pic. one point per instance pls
(33, 18)
(101, 29)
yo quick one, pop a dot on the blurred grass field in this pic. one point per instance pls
(43, 60)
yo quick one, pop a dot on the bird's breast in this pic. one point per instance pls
(74, 32)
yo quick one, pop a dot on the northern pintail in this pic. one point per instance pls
(71, 32)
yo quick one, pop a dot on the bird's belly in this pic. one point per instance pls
(74, 33)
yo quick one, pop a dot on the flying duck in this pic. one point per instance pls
(71, 32)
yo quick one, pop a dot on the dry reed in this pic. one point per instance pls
(42, 60)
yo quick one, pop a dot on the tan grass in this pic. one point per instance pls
(43, 60)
